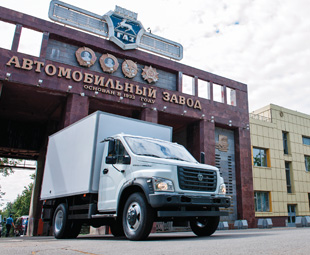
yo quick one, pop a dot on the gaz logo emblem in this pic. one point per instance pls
(125, 31)
(200, 177)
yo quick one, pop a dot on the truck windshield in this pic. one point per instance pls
(158, 149)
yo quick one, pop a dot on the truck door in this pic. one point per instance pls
(115, 167)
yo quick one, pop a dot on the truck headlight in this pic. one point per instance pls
(161, 184)
(222, 189)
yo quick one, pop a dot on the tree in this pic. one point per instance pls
(22, 203)
(6, 165)
(6, 168)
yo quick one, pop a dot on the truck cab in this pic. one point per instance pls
(165, 177)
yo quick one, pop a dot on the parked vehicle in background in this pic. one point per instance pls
(0, 225)
(21, 225)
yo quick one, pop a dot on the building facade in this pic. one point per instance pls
(281, 164)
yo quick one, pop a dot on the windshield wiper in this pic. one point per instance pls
(149, 155)
(175, 158)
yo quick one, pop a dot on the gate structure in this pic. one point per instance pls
(77, 73)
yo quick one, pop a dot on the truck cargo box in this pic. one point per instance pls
(74, 153)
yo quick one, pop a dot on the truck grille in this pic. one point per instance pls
(197, 179)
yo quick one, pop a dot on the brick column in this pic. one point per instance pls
(35, 204)
(207, 141)
(44, 44)
(149, 115)
(76, 109)
(17, 34)
(244, 177)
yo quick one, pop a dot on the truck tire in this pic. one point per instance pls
(60, 222)
(138, 217)
(204, 226)
(64, 228)
(74, 229)
(117, 228)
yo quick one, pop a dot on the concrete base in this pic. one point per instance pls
(241, 224)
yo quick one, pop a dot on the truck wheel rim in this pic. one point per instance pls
(59, 221)
(134, 216)
(201, 223)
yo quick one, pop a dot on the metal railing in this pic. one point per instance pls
(260, 117)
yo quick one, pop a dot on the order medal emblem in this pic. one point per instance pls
(108, 63)
(129, 68)
(85, 56)
(150, 74)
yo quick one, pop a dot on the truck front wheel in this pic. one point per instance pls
(138, 217)
(204, 226)
(117, 228)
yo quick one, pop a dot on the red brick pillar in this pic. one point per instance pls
(149, 115)
(244, 177)
(207, 141)
(76, 109)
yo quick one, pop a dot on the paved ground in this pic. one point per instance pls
(251, 241)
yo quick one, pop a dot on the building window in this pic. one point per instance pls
(309, 199)
(285, 142)
(307, 162)
(288, 177)
(231, 96)
(261, 200)
(259, 157)
(204, 89)
(306, 140)
(218, 93)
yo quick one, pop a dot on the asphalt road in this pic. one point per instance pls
(251, 241)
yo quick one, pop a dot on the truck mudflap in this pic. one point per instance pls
(174, 214)
(170, 200)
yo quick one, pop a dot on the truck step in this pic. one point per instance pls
(104, 216)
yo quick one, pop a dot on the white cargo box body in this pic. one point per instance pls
(74, 154)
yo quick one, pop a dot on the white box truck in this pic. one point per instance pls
(127, 174)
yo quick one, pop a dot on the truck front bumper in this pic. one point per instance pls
(172, 200)
(193, 206)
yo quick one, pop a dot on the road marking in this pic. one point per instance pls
(84, 252)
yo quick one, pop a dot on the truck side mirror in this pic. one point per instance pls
(202, 157)
(111, 149)
(110, 160)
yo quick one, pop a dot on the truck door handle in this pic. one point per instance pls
(105, 171)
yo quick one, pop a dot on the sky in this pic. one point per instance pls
(13, 185)
(262, 43)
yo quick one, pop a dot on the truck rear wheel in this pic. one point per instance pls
(204, 226)
(60, 221)
(64, 228)
(138, 217)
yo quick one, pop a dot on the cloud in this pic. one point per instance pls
(268, 49)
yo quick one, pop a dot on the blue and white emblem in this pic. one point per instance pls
(124, 29)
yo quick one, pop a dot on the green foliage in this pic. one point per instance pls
(22, 203)
(6, 165)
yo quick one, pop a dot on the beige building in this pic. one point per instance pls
(281, 164)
